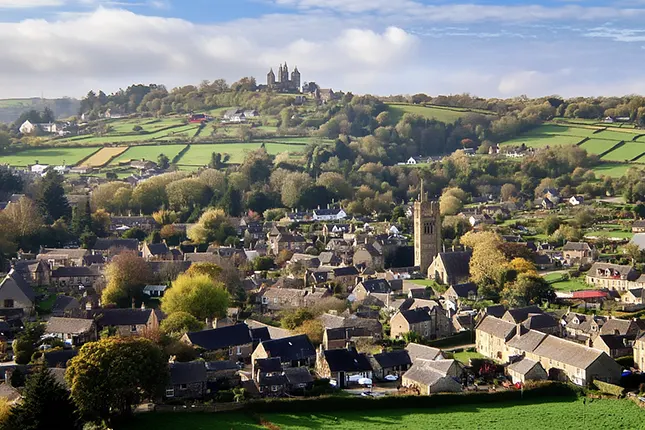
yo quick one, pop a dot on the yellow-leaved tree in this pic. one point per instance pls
(198, 294)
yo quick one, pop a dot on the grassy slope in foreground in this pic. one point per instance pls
(556, 414)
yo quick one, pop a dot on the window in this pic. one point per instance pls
(8, 303)
(275, 388)
(182, 386)
(427, 228)
(170, 392)
(133, 328)
(239, 350)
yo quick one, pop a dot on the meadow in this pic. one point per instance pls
(614, 170)
(598, 146)
(627, 152)
(200, 155)
(185, 132)
(148, 152)
(103, 156)
(439, 113)
(561, 414)
(52, 156)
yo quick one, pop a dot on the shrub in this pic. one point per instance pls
(607, 388)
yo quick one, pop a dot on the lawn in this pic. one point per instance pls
(627, 152)
(465, 356)
(200, 155)
(561, 414)
(570, 285)
(598, 146)
(443, 114)
(148, 152)
(614, 170)
(611, 234)
(52, 156)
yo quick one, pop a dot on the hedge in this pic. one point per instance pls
(334, 404)
(461, 338)
(608, 388)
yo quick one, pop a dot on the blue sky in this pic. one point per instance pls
(492, 48)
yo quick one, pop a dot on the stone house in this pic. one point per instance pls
(429, 323)
(450, 268)
(72, 331)
(639, 352)
(428, 378)
(287, 241)
(491, 336)
(156, 251)
(345, 276)
(15, 293)
(294, 351)
(526, 370)
(222, 375)
(113, 246)
(62, 257)
(395, 362)
(37, 273)
(379, 288)
(417, 351)
(522, 343)
(581, 326)
(234, 342)
(269, 377)
(613, 345)
(368, 256)
(578, 254)
(298, 379)
(456, 294)
(617, 326)
(612, 276)
(73, 277)
(342, 365)
(127, 322)
(187, 380)
(336, 338)
(638, 226)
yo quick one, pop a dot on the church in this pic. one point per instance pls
(427, 231)
(284, 83)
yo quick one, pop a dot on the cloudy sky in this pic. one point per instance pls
(491, 48)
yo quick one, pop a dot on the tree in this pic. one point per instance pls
(313, 329)
(487, 263)
(82, 219)
(107, 378)
(101, 222)
(126, 276)
(293, 319)
(449, 205)
(231, 202)
(263, 263)
(114, 197)
(165, 217)
(25, 343)
(213, 226)
(51, 197)
(216, 161)
(24, 217)
(179, 323)
(550, 224)
(293, 188)
(634, 252)
(187, 193)
(212, 270)
(197, 295)
(44, 401)
(528, 289)
(508, 192)
(163, 161)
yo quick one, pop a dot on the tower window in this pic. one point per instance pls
(428, 228)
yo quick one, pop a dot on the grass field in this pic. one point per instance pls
(627, 152)
(570, 285)
(200, 155)
(447, 115)
(52, 156)
(598, 146)
(614, 170)
(148, 152)
(171, 134)
(617, 134)
(103, 156)
(551, 135)
(561, 414)
(611, 234)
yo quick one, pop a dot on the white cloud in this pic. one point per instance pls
(26, 4)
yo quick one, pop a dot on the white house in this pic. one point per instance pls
(393, 231)
(329, 214)
(27, 127)
(411, 160)
(49, 127)
(61, 169)
(576, 200)
(39, 169)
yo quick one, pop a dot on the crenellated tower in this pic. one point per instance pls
(427, 231)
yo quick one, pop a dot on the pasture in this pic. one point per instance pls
(598, 146)
(148, 152)
(184, 132)
(614, 170)
(556, 413)
(439, 113)
(617, 134)
(103, 156)
(200, 155)
(552, 135)
(51, 156)
(627, 152)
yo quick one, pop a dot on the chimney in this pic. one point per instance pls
(133, 304)
(209, 323)
(143, 306)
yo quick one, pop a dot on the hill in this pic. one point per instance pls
(440, 113)
(11, 109)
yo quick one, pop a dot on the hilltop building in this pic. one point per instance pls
(284, 82)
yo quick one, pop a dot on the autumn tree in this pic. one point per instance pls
(487, 263)
(211, 269)
(179, 323)
(550, 224)
(187, 193)
(528, 289)
(508, 192)
(293, 187)
(213, 226)
(24, 217)
(165, 217)
(112, 196)
(126, 276)
(313, 329)
(109, 377)
(197, 295)
(452, 201)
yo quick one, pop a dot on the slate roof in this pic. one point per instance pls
(377, 286)
(521, 314)
(260, 334)
(496, 327)
(528, 341)
(187, 373)
(272, 379)
(268, 365)
(567, 352)
(342, 333)
(463, 290)
(523, 366)
(422, 352)
(75, 272)
(20, 282)
(274, 332)
(217, 366)
(422, 373)
(116, 317)
(69, 253)
(495, 310)
(457, 264)
(539, 321)
(68, 325)
(621, 270)
(576, 246)
(399, 357)
(616, 326)
(158, 248)
(88, 260)
(346, 360)
(616, 341)
(441, 366)
(415, 316)
(298, 375)
(219, 338)
(290, 348)
(346, 271)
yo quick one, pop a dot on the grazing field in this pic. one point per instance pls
(172, 134)
(561, 414)
(103, 156)
(200, 155)
(439, 113)
(617, 134)
(542, 140)
(614, 170)
(148, 124)
(52, 156)
(598, 146)
(148, 152)
(627, 152)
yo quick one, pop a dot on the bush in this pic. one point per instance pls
(225, 396)
(627, 362)
(607, 388)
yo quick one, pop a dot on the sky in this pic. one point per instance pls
(489, 48)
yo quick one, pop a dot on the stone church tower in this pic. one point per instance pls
(427, 232)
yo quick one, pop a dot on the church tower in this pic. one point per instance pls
(427, 232)
(285, 73)
(280, 74)
(295, 79)
(271, 78)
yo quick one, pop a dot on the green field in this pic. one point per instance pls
(614, 170)
(551, 135)
(148, 152)
(610, 234)
(148, 124)
(171, 134)
(627, 152)
(465, 356)
(200, 155)
(443, 114)
(598, 146)
(561, 414)
(52, 156)
(617, 135)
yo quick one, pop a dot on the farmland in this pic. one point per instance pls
(103, 156)
(148, 152)
(199, 155)
(598, 146)
(552, 135)
(53, 156)
(557, 414)
(182, 132)
(626, 152)
(440, 113)
(614, 170)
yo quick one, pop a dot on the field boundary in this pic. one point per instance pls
(80, 162)
(181, 153)
(613, 148)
